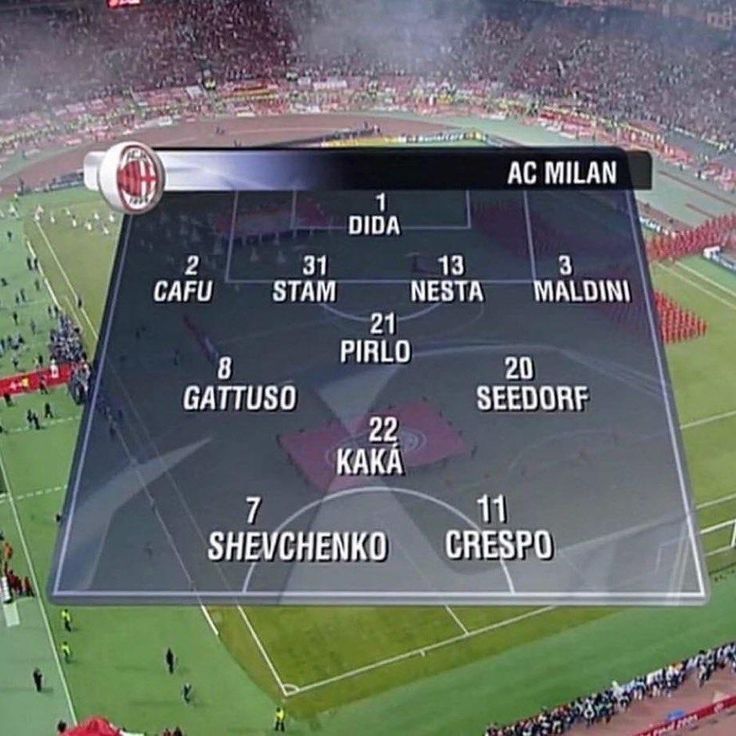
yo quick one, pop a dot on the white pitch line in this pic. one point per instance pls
(709, 420)
(43, 273)
(716, 527)
(65, 275)
(707, 279)
(421, 651)
(209, 620)
(699, 287)
(37, 588)
(419, 572)
(266, 658)
(32, 494)
(49, 423)
(720, 550)
(715, 502)
(457, 620)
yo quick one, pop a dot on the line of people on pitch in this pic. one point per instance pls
(17, 587)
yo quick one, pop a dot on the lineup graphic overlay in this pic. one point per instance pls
(326, 380)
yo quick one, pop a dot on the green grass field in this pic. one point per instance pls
(339, 670)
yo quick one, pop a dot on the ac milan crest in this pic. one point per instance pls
(131, 178)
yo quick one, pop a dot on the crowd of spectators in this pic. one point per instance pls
(603, 706)
(618, 64)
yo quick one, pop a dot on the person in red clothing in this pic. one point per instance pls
(17, 585)
(12, 581)
(27, 587)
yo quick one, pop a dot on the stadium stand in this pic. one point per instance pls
(602, 707)
(668, 82)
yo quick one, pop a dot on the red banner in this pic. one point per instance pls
(29, 382)
(690, 719)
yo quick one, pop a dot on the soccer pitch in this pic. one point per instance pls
(336, 668)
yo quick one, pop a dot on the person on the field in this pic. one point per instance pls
(66, 619)
(170, 660)
(186, 693)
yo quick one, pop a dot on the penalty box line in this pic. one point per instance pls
(418, 652)
(286, 688)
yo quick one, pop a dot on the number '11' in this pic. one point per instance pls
(493, 509)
